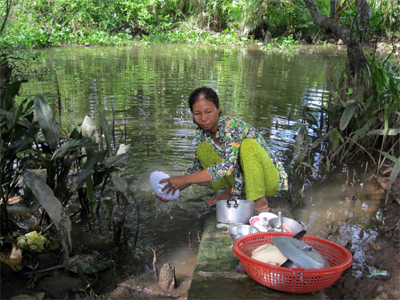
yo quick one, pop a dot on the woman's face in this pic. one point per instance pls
(205, 114)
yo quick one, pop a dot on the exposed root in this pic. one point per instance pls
(154, 265)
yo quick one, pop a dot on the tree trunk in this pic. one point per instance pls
(352, 37)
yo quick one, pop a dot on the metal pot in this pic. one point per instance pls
(234, 211)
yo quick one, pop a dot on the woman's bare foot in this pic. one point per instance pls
(261, 205)
(225, 195)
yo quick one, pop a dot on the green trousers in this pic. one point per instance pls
(261, 177)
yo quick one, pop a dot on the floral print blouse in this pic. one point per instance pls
(230, 133)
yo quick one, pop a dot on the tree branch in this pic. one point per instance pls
(326, 23)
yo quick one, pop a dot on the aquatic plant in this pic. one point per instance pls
(54, 168)
(282, 44)
(361, 120)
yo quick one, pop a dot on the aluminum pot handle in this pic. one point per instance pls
(228, 204)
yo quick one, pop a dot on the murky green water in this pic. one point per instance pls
(143, 93)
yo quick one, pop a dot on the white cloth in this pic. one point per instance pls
(155, 178)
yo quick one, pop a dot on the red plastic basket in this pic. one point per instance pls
(292, 280)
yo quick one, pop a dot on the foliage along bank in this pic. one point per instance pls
(42, 23)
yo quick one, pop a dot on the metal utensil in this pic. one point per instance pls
(289, 263)
(289, 224)
(300, 253)
(279, 225)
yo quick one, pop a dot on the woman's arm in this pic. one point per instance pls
(181, 182)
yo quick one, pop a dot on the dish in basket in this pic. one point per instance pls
(292, 280)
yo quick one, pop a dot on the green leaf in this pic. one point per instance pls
(107, 131)
(391, 131)
(362, 131)
(87, 170)
(17, 114)
(11, 91)
(119, 183)
(70, 146)
(334, 138)
(118, 161)
(46, 121)
(23, 140)
(347, 114)
(395, 170)
(391, 157)
(52, 205)
(28, 106)
(75, 134)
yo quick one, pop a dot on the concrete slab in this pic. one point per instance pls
(215, 275)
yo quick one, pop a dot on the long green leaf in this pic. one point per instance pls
(347, 114)
(52, 205)
(107, 131)
(70, 146)
(46, 121)
(335, 137)
(391, 157)
(17, 114)
(11, 91)
(391, 131)
(395, 170)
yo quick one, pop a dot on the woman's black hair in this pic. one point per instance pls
(208, 93)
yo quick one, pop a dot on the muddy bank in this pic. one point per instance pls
(383, 258)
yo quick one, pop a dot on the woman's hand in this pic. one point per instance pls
(174, 183)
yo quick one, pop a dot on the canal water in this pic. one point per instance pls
(143, 92)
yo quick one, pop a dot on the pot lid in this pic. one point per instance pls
(300, 253)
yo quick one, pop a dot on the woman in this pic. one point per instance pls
(231, 155)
